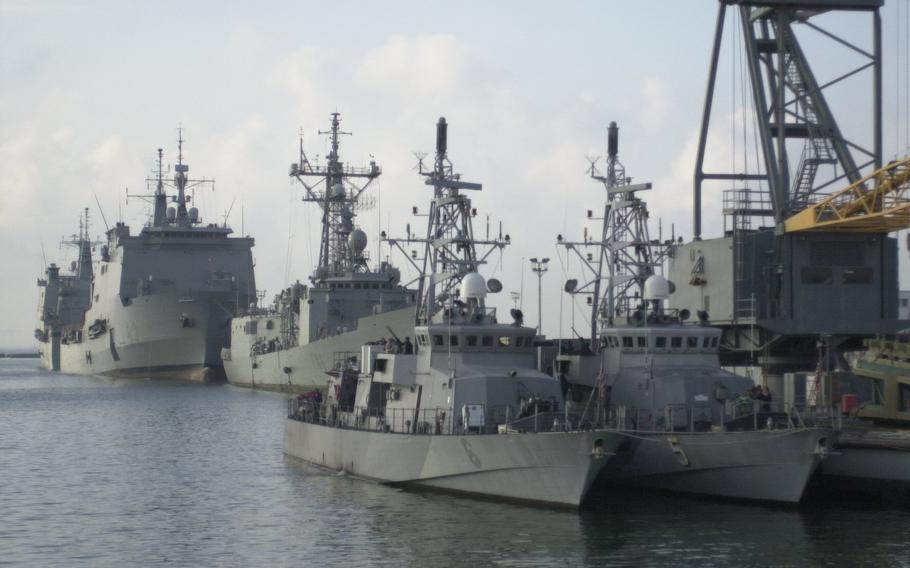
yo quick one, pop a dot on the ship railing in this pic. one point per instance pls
(758, 415)
(426, 421)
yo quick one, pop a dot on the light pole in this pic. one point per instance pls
(539, 267)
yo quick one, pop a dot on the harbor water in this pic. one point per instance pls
(129, 472)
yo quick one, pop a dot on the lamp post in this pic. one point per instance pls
(539, 267)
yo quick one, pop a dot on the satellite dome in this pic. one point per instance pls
(194, 215)
(357, 240)
(171, 214)
(473, 286)
(656, 288)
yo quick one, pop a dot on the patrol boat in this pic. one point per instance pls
(466, 410)
(691, 426)
(157, 304)
(311, 329)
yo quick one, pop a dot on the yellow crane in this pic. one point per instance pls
(878, 203)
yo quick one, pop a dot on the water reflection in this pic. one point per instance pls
(108, 472)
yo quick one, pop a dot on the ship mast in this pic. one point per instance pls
(160, 218)
(342, 248)
(625, 250)
(82, 268)
(180, 180)
(179, 216)
(450, 249)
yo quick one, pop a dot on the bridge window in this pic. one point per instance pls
(519, 341)
(504, 341)
(642, 341)
(437, 340)
(692, 342)
(627, 341)
(453, 340)
(706, 343)
(713, 342)
(487, 341)
(676, 342)
(661, 342)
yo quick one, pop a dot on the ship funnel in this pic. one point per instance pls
(612, 139)
(441, 136)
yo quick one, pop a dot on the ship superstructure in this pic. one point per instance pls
(313, 328)
(464, 409)
(158, 303)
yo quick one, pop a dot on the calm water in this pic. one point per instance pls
(107, 472)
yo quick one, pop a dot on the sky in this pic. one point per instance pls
(89, 91)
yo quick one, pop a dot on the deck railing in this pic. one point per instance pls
(428, 421)
(671, 418)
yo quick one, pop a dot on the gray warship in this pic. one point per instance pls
(310, 329)
(691, 425)
(464, 409)
(157, 304)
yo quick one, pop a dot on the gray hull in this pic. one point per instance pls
(147, 339)
(764, 465)
(546, 468)
(869, 461)
(304, 366)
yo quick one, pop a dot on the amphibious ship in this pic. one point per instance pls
(464, 409)
(156, 304)
(312, 329)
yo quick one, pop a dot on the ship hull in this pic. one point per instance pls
(870, 461)
(554, 469)
(764, 466)
(304, 367)
(156, 336)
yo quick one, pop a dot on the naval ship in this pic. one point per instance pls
(156, 304)
(464, 409)
(692, 427)
(311, 329)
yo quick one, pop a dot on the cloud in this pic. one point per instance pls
(426, 65)
(656, 102)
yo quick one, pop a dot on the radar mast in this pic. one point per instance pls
(625, 247)
(450, 249)
(337, 189)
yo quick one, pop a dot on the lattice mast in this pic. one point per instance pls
(450, 248)
(337, 190)
(625, 250)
